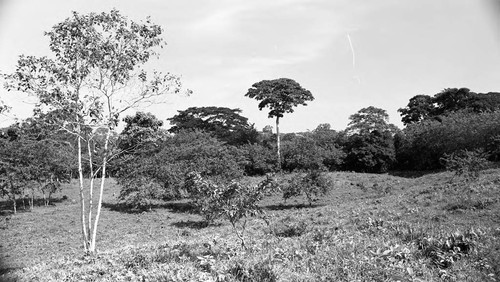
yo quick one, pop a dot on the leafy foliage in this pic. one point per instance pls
(280, 96)
(464, 163)
(96, 73)
(228, 125)
(162, 174)
(313, 184)
(141, 134)
(370, 144)
(234, 201)
(259, 159)
(423, 107)
(302, 153)
(368, 120)
(423, 144)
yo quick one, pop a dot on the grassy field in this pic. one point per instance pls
(369, 228)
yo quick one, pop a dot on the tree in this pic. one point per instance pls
(280, 96)
(228, 125)
(419, 108)
(368, 120)
(422, 107)
(141, 131)
(370, 143)
(95, 75)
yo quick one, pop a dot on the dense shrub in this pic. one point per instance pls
(301, 153)
(161, 175)
(423, 144)
(467, 164)
(234, 201)
(313, 184)
(370, 152)
(259, 159)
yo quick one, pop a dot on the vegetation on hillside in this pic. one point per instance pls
(213, 199)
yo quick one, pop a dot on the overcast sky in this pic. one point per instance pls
(350, 54)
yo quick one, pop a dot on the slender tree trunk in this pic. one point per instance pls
(91, 188)
(13, 195)
(82, 198)
(32, 199)
(278, 141)
(101, 191)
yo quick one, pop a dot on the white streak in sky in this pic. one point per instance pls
(353, 59)
(352, 51)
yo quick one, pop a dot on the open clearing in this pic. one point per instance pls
(369, 228)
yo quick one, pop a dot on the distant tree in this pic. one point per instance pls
(419, 108)
(142, 131)
(301, 153)
(330, 142)
(370, 143)
(373, 152)
(228, 125)
(423, 144)
(267, 129)
(96, 74)
(368, 120)
(280, 96)
(422, 107)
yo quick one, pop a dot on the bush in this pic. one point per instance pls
(312, 184)
(464, 163)
(423, 144)
(161, 175)
(234, 201)
(301, 153)
(259, 159)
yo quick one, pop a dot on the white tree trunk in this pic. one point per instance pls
(278, 141)
(82, 197)
(101, 191)
(91, 188)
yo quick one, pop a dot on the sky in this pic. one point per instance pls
(350, 54)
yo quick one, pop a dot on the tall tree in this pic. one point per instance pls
(370, 143)
(228, 125)
(280, 96)
(370, 119)
(96, 73)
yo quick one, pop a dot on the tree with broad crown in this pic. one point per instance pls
(370, 119)
(281, 96)
(142, 133)
(95, 75)
(228, 125)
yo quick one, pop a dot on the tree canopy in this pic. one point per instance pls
(279, 95)
(228, 125)
(368, 120)
(421, 107)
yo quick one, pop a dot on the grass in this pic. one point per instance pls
(369, 228)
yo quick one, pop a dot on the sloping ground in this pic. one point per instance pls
(370, 228)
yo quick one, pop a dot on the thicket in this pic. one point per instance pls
(423, 144)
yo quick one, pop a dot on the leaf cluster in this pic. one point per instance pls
(279, 95)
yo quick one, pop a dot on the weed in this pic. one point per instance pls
(262, 272)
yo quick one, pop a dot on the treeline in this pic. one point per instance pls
(219, 143)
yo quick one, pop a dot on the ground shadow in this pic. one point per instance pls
(193, 224)
(176, 207)
(6, 205)
(281, 206)
(413, 173)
